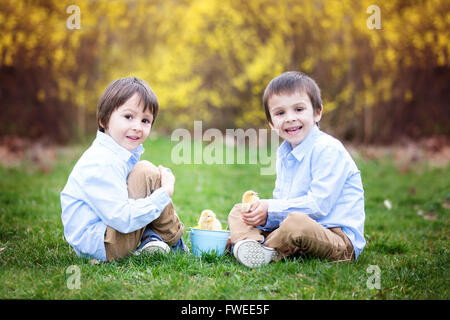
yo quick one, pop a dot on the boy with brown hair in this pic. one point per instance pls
(318, 201)
(112, 201)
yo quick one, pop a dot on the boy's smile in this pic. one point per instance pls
(292, 116)
(129, 125)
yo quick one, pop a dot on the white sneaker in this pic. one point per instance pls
(252, 254)
(153, 247)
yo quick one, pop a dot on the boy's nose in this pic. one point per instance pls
(289, 117)
(137, 126)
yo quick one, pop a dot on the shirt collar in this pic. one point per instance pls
(108, 142)
(302, 148)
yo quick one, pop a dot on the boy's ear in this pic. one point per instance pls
(101, 124)
(318, 114)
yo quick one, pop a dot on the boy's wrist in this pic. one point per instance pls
(169, 191)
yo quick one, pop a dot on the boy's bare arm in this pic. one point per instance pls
(257, 216)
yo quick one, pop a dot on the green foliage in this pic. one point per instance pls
(410, 250)
(211, 60)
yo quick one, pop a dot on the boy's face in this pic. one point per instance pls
(292, 116)
(129, 125)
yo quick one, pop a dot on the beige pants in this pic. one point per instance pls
(297, 234)
(143, 179)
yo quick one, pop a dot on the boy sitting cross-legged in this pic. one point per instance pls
(112, 201)
(318, 201)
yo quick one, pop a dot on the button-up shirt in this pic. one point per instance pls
(96, 196)
(320, 179)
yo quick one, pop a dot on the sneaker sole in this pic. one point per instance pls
(252, 254)
(154, 247)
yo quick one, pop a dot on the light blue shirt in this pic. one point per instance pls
(96, 196)
(320, 179)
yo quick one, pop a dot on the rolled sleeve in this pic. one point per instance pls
(159, 199)
(328, 177)
(319, 178)
(275, 215)
(108, 197)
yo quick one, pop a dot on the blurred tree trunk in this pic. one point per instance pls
(368, 124)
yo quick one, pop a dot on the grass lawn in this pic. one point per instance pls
(410, 249)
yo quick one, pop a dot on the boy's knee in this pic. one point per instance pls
(143, 179)
(235, 212)
(296, 221)
(142, 170)
(143, 166)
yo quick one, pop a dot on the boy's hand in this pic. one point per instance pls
(257, 216)
(167, 180)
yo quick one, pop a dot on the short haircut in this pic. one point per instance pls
(292, 82)
(118, 92)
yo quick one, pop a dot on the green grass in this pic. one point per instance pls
(411, 252)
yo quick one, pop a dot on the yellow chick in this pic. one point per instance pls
(209, 221)
(249, 198)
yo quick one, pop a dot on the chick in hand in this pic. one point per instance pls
(249, 198)
(209, 221)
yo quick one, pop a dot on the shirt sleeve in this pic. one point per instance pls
(106, 192)
(329, 171)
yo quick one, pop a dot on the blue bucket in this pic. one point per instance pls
(208, 241)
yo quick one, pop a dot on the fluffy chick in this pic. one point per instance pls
(209, 221)
(249, 198)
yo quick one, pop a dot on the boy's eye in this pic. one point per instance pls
(279, 113)
(299, 109)
(145, 121)
(128, 116)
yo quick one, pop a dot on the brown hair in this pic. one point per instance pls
(291, 82)
(118, 92)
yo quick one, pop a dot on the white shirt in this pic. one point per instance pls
(96, 196)
(320, 179)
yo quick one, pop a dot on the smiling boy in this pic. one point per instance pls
(318, 201)
(112, 201)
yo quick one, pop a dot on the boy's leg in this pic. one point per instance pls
(298, 233)
(149, 235)
(239, 230)
(142, 181)
(119, 245)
